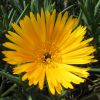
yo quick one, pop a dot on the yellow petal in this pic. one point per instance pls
(56, 27)
(41, 79)
(51, 26)
(24, 77)
(22, 68)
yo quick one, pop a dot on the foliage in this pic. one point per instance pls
(88, 13)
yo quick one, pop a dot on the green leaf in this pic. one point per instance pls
(95, 70)
(16, 5)
(97, 8)
(23, 12)
(34, 6)
(9, 90)
(48, 5)
(10, 13)
(69, 7)
(11, 20)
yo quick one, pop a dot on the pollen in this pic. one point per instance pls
(47, 58)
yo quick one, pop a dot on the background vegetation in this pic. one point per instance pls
(88, 13)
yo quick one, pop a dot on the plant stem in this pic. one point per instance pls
(11, 77)
(9, 90)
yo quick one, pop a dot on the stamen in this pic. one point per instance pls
(47, 57)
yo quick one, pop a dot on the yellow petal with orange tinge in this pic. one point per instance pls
(13, 37)
(61, 28)
(56, 27)
(13, 61)
(13, 46)
(22, 68)
(81, 51)
(36, 73)
(47, 24)
(45, 48)
(17, 29)
(43, 24)
(35, 29)
(76, 36)
(69, 26)
(52, 24)
(76, 46)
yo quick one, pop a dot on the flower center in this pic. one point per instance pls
(47, 55)
(47, 58)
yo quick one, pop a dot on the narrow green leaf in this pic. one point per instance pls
(11, 19)
(96, 8)
(10, 13)
(11, 77)
(16, 5)
(9, 90)
(46, 3)
(69, 7)
(34, 6)
(29, 98)
(84, 13)
(22, 13)
(24, 4)
(95, 70)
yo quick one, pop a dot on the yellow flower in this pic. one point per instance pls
(46, 48)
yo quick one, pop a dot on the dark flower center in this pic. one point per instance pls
(47, 55)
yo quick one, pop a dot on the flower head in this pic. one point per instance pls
(49, 48)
